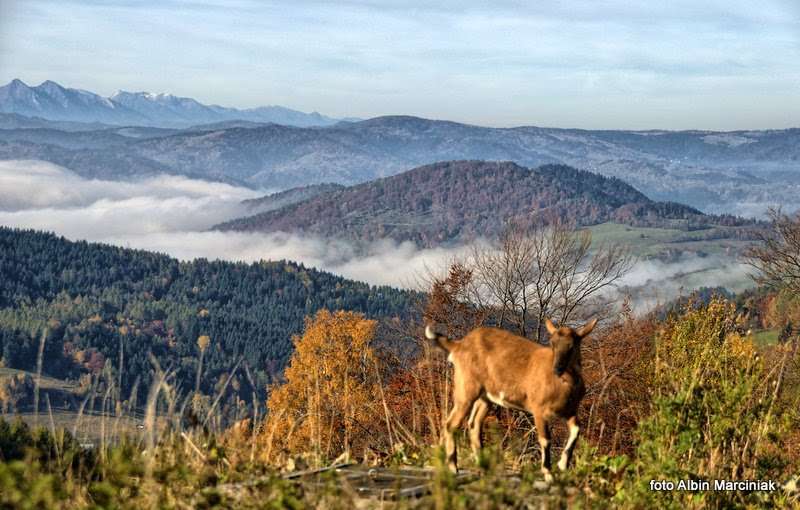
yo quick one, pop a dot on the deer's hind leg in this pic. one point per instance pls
(479, 410)
(464, 395)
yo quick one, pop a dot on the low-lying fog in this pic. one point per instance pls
(171, 214)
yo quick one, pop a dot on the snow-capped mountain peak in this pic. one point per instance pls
(51, 100)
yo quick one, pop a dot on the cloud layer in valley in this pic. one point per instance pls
(654, 282)
(172, 215)
(45, 196)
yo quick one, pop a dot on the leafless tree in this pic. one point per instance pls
(546, 270)
(777, 256)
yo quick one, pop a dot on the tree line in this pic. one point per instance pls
(100, 305)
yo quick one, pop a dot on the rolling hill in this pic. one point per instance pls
(460, 200)
(288, 197)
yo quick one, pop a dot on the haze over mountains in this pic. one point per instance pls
(717, 172)
(49, 100)
(384, 232)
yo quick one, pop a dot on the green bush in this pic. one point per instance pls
(713, 414)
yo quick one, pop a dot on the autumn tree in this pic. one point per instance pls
(14, 389)
(328, 403)
(450, 302)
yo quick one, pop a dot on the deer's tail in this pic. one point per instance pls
(441, 340)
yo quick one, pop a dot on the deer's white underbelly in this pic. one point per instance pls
(501, 400)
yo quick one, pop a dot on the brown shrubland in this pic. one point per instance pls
(616, 367)
(396, 400)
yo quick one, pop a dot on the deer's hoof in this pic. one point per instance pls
(548, 477)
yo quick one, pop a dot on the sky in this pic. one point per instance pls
(678, 64)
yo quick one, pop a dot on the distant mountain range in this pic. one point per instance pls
(52, 101)
(738, 172)
(457, 201)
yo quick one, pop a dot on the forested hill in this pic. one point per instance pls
(288, 197)
(458, 200)
(94, 298)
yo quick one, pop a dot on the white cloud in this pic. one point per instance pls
(30, 184)
(382, 263)
(40, 195)
(653, 282)
(173, 214)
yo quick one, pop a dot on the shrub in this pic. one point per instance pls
(713, 413)
(617, 367)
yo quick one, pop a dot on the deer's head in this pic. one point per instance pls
(566, 344)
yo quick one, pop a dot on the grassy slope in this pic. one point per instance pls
(689, 261)
(649, 242)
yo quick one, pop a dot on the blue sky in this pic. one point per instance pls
(678, 64)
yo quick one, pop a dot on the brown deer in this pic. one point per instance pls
(493, 365)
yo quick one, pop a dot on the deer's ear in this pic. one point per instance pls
(550, 327)
(587, 328)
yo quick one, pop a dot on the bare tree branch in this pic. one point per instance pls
(544, 270)
(777, 256)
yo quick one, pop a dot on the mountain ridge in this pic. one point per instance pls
(287, 197)
(738, 172)
(52, 101)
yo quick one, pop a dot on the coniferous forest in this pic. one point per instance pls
(98, 304)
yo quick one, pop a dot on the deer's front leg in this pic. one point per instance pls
(543, 433)
(566, 455)
(476, 417)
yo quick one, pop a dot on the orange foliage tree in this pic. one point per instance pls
(329, 403)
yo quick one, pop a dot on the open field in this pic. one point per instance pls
(647, 242)
(65, 398)
(766, 337)
(669, 263)
(46, 382)
(88, 427)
